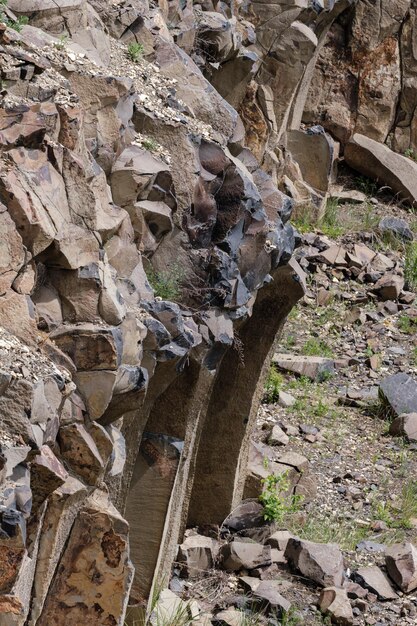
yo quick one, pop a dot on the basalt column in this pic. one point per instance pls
(221, 461)
(159, 492)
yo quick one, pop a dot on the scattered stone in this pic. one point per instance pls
(370, 546)
(376, 581)
(286, 400)
(198, 553)
(279, 540)
(322, 563)
(248, 514)
(268, 591)
(335, 603)
(278, 437)
(313, 367)
(377, 161)
(230, 617)
(401, 563)
(399, 391)
(397, 226)
(405, 426)
(238, 555)
(389, 286)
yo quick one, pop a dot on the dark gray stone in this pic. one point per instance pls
(396, 226)
(400, 393)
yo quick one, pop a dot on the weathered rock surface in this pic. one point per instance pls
(314, 367)
(376, 160)
(335, 603)
(322, 563)
(238, 555)
(376, 581)
(401, 562)
(399, 392)
(129, 181)
(405, 426)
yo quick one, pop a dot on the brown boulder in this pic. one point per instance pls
(401, 562)
(238, 555)
(405, 426)
(377, 161)
(198, 553)
(335, 603)
(320, 562)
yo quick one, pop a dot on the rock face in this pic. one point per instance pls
(151, 157)
(138, 230)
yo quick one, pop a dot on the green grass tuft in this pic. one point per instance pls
(135, 51)
(167, 283)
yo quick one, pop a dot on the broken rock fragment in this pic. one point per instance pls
(239, 555)
(320, 562)
(314, 367)
(376, 581)
(335, 603)
(399, 392)
(270, 598)
(401, 563)
(405, 426)
(198, 553)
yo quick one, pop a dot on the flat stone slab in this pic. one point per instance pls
(314, 367)
(374, 579)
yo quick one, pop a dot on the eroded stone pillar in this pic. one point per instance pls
(157, 502)
(223, 448)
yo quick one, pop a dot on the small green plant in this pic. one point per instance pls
(327, 528)
(410, 266)
(411, 154)
(291, 618)
(17, 25)
(407, 324)
(408, 505)
(149, 143)
(366, 185)
(330, 222)
(62, 42)
(273, 385)
(316, 347)
(167, 283)
(135, 51)
(303, 221)
(277, 504)
(289, 341)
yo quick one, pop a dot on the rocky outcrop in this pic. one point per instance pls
(151, 156)
(146, 251)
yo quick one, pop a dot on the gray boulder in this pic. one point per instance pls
(322, 563)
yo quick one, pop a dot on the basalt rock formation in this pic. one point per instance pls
(151, 155)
